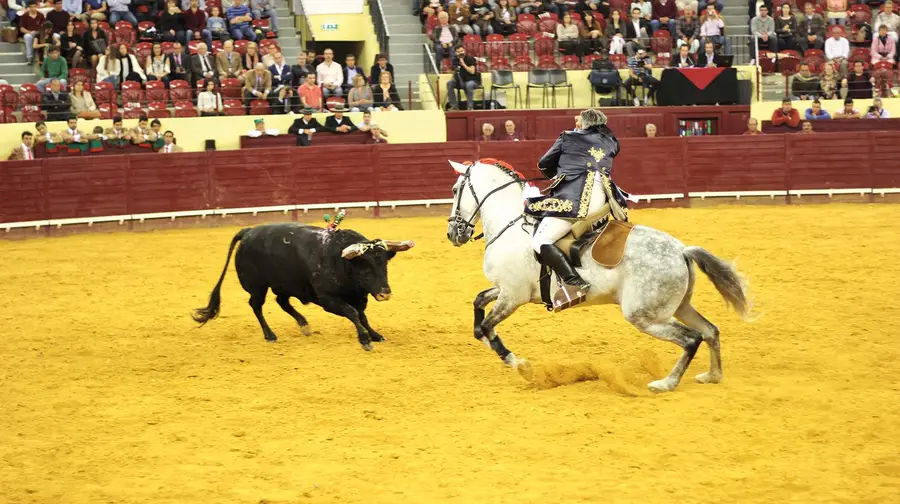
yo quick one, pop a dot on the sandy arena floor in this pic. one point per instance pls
(111, 394)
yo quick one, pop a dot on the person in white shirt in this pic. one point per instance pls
(711, 26)
(260, 129)
(330, 75)
(889, 19)
(837, 51)
(71, 134)
(209, 103)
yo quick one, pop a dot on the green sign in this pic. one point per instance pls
(329, 26)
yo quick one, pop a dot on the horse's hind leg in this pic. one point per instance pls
(503, 308)
(689, 316)
(481, 300)
(685, 337)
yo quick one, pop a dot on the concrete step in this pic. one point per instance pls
(12, 48)
(12, 58)
(408, 39)
(19, 78)
(405, 29)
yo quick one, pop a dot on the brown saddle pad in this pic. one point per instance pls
(609, 248)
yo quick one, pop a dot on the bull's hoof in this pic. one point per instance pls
(270, 337)
(374, 336)
(305, 330)
(367, 347)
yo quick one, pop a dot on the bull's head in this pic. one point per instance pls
(369, 259)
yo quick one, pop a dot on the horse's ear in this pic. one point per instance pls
(458, 167)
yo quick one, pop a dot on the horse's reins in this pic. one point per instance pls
(470, 222)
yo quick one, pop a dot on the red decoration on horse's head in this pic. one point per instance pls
(501, 164)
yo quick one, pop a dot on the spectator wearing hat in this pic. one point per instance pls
(305, 127)
(339, 123)
(848, 112)
(787, 115)
(259, 129)
(169, 145)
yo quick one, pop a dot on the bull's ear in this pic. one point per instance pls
(458, 167)
(399, 246)
(353, 251)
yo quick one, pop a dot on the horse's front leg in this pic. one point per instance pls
(503, 308)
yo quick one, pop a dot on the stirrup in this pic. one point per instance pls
(568, 296)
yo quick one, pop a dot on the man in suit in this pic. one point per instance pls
(202, 65)
(305, 127)
(382, 65)
(179, 63)
(351, 70)
(637, 31)
(45, 137)
(55, 102)
(708, 56)
(282, 93)
(228, 62)
(812, 29)
(339, 123)
(169, 145)
(142, 134)
(257, 84)
(118, 134)
(72, 134)
(683, 59)
(301, 70)
(24, 151)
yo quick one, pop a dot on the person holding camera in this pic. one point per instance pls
(640, 68)
(465, 76)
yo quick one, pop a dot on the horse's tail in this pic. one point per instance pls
(211, 311)
(730, 284)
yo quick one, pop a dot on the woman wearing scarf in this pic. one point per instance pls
(129, 67)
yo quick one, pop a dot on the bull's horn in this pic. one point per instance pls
(399, 246)
(458, 167)
(353, 251)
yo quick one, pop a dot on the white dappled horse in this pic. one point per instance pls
(653, 282)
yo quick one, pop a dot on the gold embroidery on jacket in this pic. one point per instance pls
(551, 205)
(597, 154)
(585, 201)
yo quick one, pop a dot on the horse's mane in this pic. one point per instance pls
(505, 168)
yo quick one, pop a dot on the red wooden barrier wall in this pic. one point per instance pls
(59, 188)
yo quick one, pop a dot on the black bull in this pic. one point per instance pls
(336, 270)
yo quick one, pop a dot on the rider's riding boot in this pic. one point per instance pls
(574, 288)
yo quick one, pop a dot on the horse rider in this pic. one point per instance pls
(577, 162)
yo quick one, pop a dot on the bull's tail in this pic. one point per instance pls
(211, 311)
(730, 284)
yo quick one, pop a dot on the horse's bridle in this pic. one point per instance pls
(463, 225)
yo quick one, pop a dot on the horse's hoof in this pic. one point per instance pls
(367, 347)
(511, 360)
(305, 330)
(709, 377)
(374, 336)
(271, 338)
(659, 386)
(486, 341)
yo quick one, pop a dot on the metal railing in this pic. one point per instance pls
(305, 29)
(432, 72)
(376, 10)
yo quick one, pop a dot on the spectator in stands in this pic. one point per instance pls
(683, 59)
(830, 82)
(787, 115)
(815, 113)
(203, 66)
(889, 19)
(640, 69)
(30, 24)
(257, 84)
(179, 63)
(130, 68)
(360, 97)
(117, 133)
(646, 8)
(54, 67)
(25, 151)
(215, 24)
(848, 112)
(836, 11)
(636, 32)
(195, 24)
(616, 29)
(445, 38)
(306, 126)
(717, 4)
(763, 28)
(351, 70)
(58, 18)
(376, 137)
(55, 101)
(465, 76)
(156, 128)
(487, 133)
(505, 14)
(72, 134)
(430, 8)
(118, 11)
(459, 13)
(339, 123)
(82, 103)
(142, 134)
(44, 41)
(71, 46)
(96, 9)
(877, 111)
(259, 129)
(381, 65)
(592, 34)
(859, 82)
(482, 18)
(569, 37)
(708, 57)
(511, 134)
(811, 30)
(805, 85)
(384, 95)
(12, 11)
(108, 68)
(837, 51)
(366, 123)
(330, 75)
(209, 103)
(311, 94)
(265, 9)
(171, 23)
(282, 92)
(884, 48)
(169, 145)
(228, 62)
(95, 43)
(158, 64)
(786, 28)
(44, 136)
(650, 130)
(806, 128)
(75, 9)
(301, 69)
(239, 19)
(592, 8)
(664, 14)
(687, 31)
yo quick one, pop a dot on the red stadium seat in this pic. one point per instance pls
(125, 33)
(110, 35)
(143, 50)
(547, 25)
(241, 46)
(132, 92)
(180, 90)
(234, 107)
(185, 109)
(575, 16)
(268, 45)
(500, 63)
(544, 46)
(547, 62)
(132, 111)
(260, 107)
(861, 13)
(216, 46)
(334, 101)
(816, 60)
(32, 113)
(7, 116)
(473, 45)
(526, 25)
(123, 25)
(860, 54)
(29, 94)
(619, 60)
(80, 28)
(496, 46)
(482, 66)
(788, 62)
(570, 62)
(168, 47)
(518, 45)
(143, 26)
(9, 98)
(661, 42)
(663, 59)
(158, 110)
(193, 45)
(589, 60)
(108, 110)
(104, 92)
(430, 24)
(231, 88)
(157, 92)
(523, 64)
(260, 24)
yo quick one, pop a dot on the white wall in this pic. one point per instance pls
(312, 7)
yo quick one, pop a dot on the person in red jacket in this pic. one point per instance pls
(787, 115)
